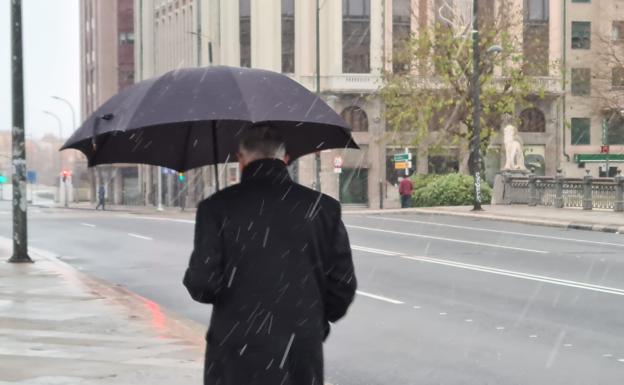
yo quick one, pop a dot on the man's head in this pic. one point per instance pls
(261, 142)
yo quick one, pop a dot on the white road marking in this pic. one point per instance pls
(500, 231)
(188, 221)
(374, 251)
(5, 212)
(621, 359)
(379, 297)
(533, 336)
(442, 313)
(567, 345)
(140, 236)
(607, 355)
(500, 328)
(87, 224)
(416, 307)
(468, 320)
(517, 274)
(448, 239)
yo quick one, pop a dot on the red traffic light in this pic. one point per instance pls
(65, 173)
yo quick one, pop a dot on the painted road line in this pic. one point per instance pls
(140, 236)
(447, 239)
(517, 274)
(499, 231)
(162, 219)
(87, 224)
(375, 251)
(379, 297)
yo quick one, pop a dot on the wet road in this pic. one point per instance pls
(442, 300)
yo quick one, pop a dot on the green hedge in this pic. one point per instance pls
(447, 190)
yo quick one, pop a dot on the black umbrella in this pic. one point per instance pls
(192, 117)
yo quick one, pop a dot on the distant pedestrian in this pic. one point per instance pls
(101, 197)
(405, 191)
(273, 257)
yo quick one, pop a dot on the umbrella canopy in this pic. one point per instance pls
(193, 117)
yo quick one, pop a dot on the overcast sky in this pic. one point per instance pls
(51, 64)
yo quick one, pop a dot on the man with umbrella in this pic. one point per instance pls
(272, 256)
(274, 259)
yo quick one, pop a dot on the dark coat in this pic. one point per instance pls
(274, 259)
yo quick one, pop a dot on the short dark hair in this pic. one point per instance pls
(262, 141)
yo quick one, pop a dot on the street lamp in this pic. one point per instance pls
(71, 107)
(60, 124)
(476, 106)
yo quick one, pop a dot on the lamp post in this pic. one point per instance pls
(71, 107)
(20, 219)
(60, 125)
(476, 109)
(317, 155)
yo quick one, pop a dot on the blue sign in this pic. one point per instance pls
(31, 176)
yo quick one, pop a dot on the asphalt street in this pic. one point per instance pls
(442, 300)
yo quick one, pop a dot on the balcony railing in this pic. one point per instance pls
(371, 83)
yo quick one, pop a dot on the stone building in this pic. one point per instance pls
(356, 40)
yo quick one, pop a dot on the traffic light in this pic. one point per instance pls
(65, 174)
(181, 177)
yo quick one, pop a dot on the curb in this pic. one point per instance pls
(177, 326)
(615, 229)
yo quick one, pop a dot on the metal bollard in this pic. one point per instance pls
(587, 191)
(619, 192)
(559, 203)
(532, 190)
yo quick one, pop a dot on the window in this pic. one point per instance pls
(356, 36)
(617, 77)
(580, 131)
(581, 81)
(581, 35)
(288, 36)
(536, 10)
(615, 134)
(401, 29)
(356, 118)
(617, 31)
(126, 38)
(532, 120)
(245, 32)
(535, 46)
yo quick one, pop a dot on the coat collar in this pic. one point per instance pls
(265, 169)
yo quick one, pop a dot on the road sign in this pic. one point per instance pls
(31, 176)
(402, 165)
(3, 179)
(402, 157)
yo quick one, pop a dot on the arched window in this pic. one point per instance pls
(356, 118)
(532, 120)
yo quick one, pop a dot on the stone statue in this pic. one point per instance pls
(514, 156)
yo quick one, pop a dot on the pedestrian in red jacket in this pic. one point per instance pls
(405, 190)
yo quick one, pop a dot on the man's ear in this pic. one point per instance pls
(286, 158)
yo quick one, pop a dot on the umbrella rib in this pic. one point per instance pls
(184, 159)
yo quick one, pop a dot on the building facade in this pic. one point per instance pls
(107, 63)
(356, 41)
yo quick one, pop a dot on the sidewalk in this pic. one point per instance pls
(597, 220)
(60, 326)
